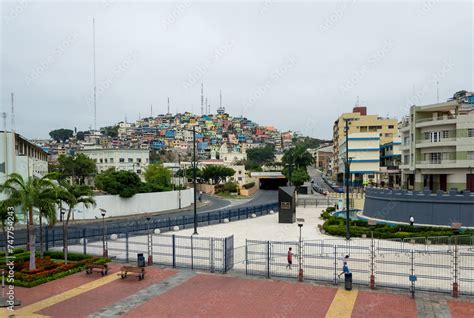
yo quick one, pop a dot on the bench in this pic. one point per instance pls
(102, 268)
(126, 270)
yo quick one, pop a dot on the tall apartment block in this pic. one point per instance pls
(386, 129)
(438, 146)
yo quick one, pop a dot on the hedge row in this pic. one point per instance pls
(337, 226)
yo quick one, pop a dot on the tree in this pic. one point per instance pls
(76, 167)
(124, 183)
(110, 131)
(261, 156)
(46, 204)
(298, 176)
(80, 135)
(73, 195)
(216, 173)
(61, 134)
(158, 177)
(298, 156)
(27, 195)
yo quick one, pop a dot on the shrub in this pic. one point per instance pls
(248, 185)
(330, 209)
(230, 187)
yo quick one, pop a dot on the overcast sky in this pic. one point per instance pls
(296, 66)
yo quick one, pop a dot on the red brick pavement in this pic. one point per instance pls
(106, 295)
(55, 287)
(461, 309)
(376, 304)
(221, 296)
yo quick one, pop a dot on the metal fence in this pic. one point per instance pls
(317, 201)
(390, 263)
(53, 237)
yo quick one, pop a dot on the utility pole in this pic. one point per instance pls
(347, 178)
(194, 180)
(95, 89)
(179, 181)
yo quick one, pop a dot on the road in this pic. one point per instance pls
(316, 175)
(212, 203)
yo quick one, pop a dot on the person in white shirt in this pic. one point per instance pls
(412, 220)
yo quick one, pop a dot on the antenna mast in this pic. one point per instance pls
(168, 105)
(437, 91)
(13, 114)
(95, 89)
(151, 110)
(202, 99)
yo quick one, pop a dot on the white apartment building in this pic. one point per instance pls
(364, 157)
(438, 147)
(135, 160)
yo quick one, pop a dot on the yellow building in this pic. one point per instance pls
(360, 122)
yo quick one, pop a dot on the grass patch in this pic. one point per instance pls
(49, 268)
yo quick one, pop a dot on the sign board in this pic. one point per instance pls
(286, 205)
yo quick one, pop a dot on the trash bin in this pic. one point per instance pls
(140, 260)
(348, 281)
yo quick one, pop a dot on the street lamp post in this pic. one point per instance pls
(63, 211)
(194, 180)
(104, 241)
(149, 240)
(300, 252)
(179, 181)
(347, 173)
(290, 168)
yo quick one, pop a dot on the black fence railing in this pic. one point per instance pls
(53, 237)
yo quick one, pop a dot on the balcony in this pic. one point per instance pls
(444, 164)
(440, 143)
(443, 120)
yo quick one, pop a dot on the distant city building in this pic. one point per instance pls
(322, 157)
(135, 160)
(359, 122)
(364, 157)
(18, 155)
(438, 145)
(390, 159)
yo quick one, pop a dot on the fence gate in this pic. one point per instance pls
(229, 253)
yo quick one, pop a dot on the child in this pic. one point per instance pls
(345, 267)
(290, 258)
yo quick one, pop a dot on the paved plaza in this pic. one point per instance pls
(171, 293)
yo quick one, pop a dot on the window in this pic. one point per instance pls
(111, 160)
(470, 155)
(130, 160)
(390, 126)
(100, 160)
(470, 132)
(445, 134)
(139, 160)
(121, 160)
(406, 141)
(388, 134)
(105, 160)
(434, 157)
(427, 136)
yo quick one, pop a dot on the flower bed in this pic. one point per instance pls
(49, 268)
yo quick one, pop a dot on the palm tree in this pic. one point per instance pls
(74, 195)
(26, 194)
(47, 198)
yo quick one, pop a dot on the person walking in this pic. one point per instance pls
(412, 220)
(200, 196)
(345, 266)
(289, 258)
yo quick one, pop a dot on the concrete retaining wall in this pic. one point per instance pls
(425, 207)
(139, 203)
